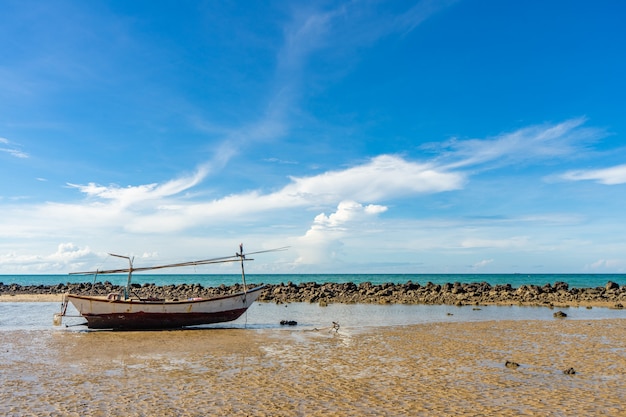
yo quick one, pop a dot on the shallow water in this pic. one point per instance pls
(38, 315)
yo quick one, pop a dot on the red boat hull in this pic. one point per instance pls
(151, 321)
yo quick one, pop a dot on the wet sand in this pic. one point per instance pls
(445, 369)
(29, 298)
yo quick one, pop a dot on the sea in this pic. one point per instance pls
(213, 280)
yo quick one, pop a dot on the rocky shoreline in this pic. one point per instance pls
(549, 295)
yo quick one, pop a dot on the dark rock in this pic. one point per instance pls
(569, 371)
(559, 315)
(512, 365)
(288, 323)
(455, 293)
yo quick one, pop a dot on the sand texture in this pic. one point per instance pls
(448, 369)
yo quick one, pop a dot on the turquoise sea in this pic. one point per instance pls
(212, 280)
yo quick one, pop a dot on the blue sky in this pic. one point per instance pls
(371, 137)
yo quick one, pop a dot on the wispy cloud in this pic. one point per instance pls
(482, 264)
(12, 149)
(422, 10)
(609, 176)
(604, 265)
(514, 242)
(526, 145)
(309, 30)
(385, 176)
(134, 194)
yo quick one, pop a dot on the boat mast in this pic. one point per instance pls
(242, 258)
(130, 273)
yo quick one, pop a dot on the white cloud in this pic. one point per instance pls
(529, 144)
(347, 211)
(607, 264)
(114, 215)
(112, 211)
(133, 194)
(12, 149)
(514, 242)
(608, 176)
(419, 12)
(68, 252)
(482, 264)
(322, 242)
(66, 257)
(383, 177)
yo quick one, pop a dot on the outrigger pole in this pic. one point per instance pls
(238, 257)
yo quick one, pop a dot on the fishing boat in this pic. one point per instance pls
(124, 310)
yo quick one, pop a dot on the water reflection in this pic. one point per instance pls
(38, 316)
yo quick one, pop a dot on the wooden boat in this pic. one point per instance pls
(127, 311)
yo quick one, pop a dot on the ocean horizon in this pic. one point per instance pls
(214, 280)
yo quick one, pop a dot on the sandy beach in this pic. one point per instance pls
(29, 298)
(446, 369)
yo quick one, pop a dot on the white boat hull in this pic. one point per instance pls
(103, 313)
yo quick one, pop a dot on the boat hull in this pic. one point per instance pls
(102, 313)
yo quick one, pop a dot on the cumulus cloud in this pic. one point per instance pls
(347, 212)
(68, 252)
(322, 242)
(608, 176)
(67, 256)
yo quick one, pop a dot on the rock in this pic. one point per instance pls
(456, 293)
(569, 371)
(559, 315)
(512, 365)
(288, 323)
